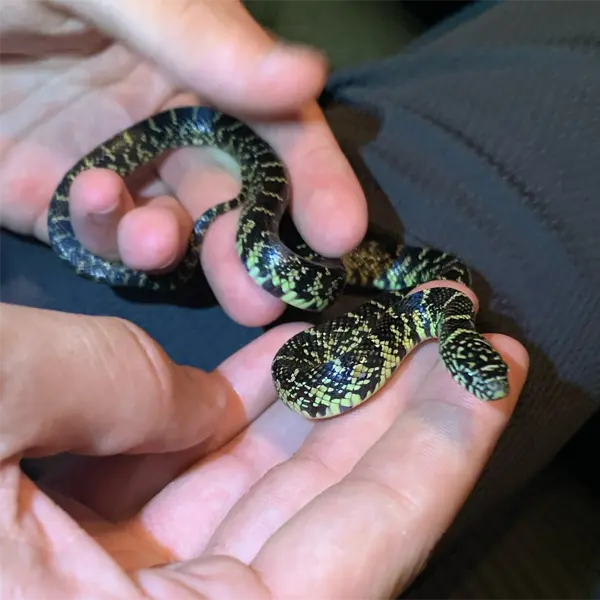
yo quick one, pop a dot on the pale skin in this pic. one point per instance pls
(183, 483)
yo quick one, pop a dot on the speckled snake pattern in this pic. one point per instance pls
(337, 365)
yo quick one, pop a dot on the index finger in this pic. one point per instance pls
(214, 48)
(378, 525)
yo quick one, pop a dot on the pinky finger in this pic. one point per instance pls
(99, 200)
(154, 238)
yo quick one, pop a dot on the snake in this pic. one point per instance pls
(334, 366)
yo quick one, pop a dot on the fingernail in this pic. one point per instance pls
(272, 62)
(168, 263)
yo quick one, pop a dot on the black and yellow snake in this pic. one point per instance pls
(335, 366)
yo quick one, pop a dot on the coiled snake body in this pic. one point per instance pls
(332, 367)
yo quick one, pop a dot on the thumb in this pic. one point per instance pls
(216, 48)
(96, 385)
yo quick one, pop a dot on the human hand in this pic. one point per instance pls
(260, 503)
(75, 73)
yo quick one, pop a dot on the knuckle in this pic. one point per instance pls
(152, 366)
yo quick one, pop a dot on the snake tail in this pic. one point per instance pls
(334, 367)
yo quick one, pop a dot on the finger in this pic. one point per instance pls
(101, 386)
(202, 43)
(98, 202)
(246, 376)
(154, 238)
(107, 222)
(39, 539)
(239, 296)
(328, 207)
(200, 180)
(398, 500)
(204, 579)
(218, 483)
(331, 451)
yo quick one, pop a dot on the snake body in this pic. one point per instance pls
(337, 365)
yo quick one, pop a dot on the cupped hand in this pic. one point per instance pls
(75, 73)
(186, 484)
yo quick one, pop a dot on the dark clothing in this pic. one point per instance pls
(487, 146)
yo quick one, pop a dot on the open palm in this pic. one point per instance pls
(267, 505)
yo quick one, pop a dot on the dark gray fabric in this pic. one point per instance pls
(489, 148)
(544, 544)
(196, 333)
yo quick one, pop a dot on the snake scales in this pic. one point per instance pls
(332, 367)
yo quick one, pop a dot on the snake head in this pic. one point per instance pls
(476, 366)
